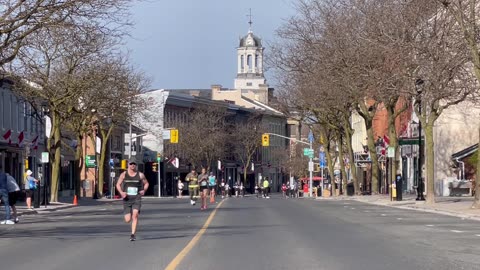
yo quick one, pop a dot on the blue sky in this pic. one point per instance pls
(192, 43)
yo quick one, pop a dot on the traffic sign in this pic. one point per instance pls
(322, 160)
(310, 136)
(45, 157)
(310, 166)
(391, 152)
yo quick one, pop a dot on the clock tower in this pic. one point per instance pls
(250, 63)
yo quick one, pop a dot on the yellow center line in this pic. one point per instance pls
(178, 259)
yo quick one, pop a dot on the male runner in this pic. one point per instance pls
(192, 185)
(134, 186)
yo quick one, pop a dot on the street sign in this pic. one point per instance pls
(219, 165)
(90, 161)
(310, 136)
(310, 166)
(322, 160)
(45, 157)
(308, 152)
(166, 135)
(391, 152)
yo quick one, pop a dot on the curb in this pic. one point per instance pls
(434, 211)
(46, 210)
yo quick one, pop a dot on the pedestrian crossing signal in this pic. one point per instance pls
(265, 140)
(154, 167)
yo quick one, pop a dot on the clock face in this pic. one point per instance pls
(249, 42)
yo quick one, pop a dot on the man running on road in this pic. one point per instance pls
(132, 186)
(192, 181)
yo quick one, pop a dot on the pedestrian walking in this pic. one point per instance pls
(30, 186)
(13, 193)
(257, 190)
(180, 188)
(192, 181)
(4, 198)
(242, 189)
(203, 182)
(132, 185)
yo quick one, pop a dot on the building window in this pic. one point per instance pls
(256, 60)
(242, 63)
(249, 62)
(249, 84)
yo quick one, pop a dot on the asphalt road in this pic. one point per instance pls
(244, 233)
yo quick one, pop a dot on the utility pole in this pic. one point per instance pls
(266, 142)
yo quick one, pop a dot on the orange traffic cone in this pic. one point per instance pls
(75, 200)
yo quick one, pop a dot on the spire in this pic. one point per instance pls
(250, 21)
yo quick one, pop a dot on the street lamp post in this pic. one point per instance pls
(418, 85)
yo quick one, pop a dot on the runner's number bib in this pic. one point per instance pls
(132, 191)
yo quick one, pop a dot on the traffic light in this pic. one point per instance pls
(265, 139)
(123, 164)
(154, 167)
(26, 164)
(174, 136)
(159, 157)
(317, 167)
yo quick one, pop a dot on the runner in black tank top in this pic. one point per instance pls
(132, 186)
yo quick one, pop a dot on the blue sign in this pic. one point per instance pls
(111, 163)
(310, 137)
(323, 162)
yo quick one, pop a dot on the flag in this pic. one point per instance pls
(7, 135)
(20, 138)
(35, 143)
(386, 139)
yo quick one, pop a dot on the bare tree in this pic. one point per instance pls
(465, 17)
(19, 19)
(246, 137)
(203, 137)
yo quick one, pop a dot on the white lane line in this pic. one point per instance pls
(353, 208)
(384, 215)
(456, 231)
(477, 235)
(430, 225)
(366, 211)
(399, 218)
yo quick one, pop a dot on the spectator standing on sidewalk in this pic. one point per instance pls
(4, 198)
(30, 186)
(180, 188)
(13, 193)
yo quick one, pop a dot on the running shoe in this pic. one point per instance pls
(132, 237)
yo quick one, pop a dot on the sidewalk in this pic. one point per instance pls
(452, 206)
(63, 203)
